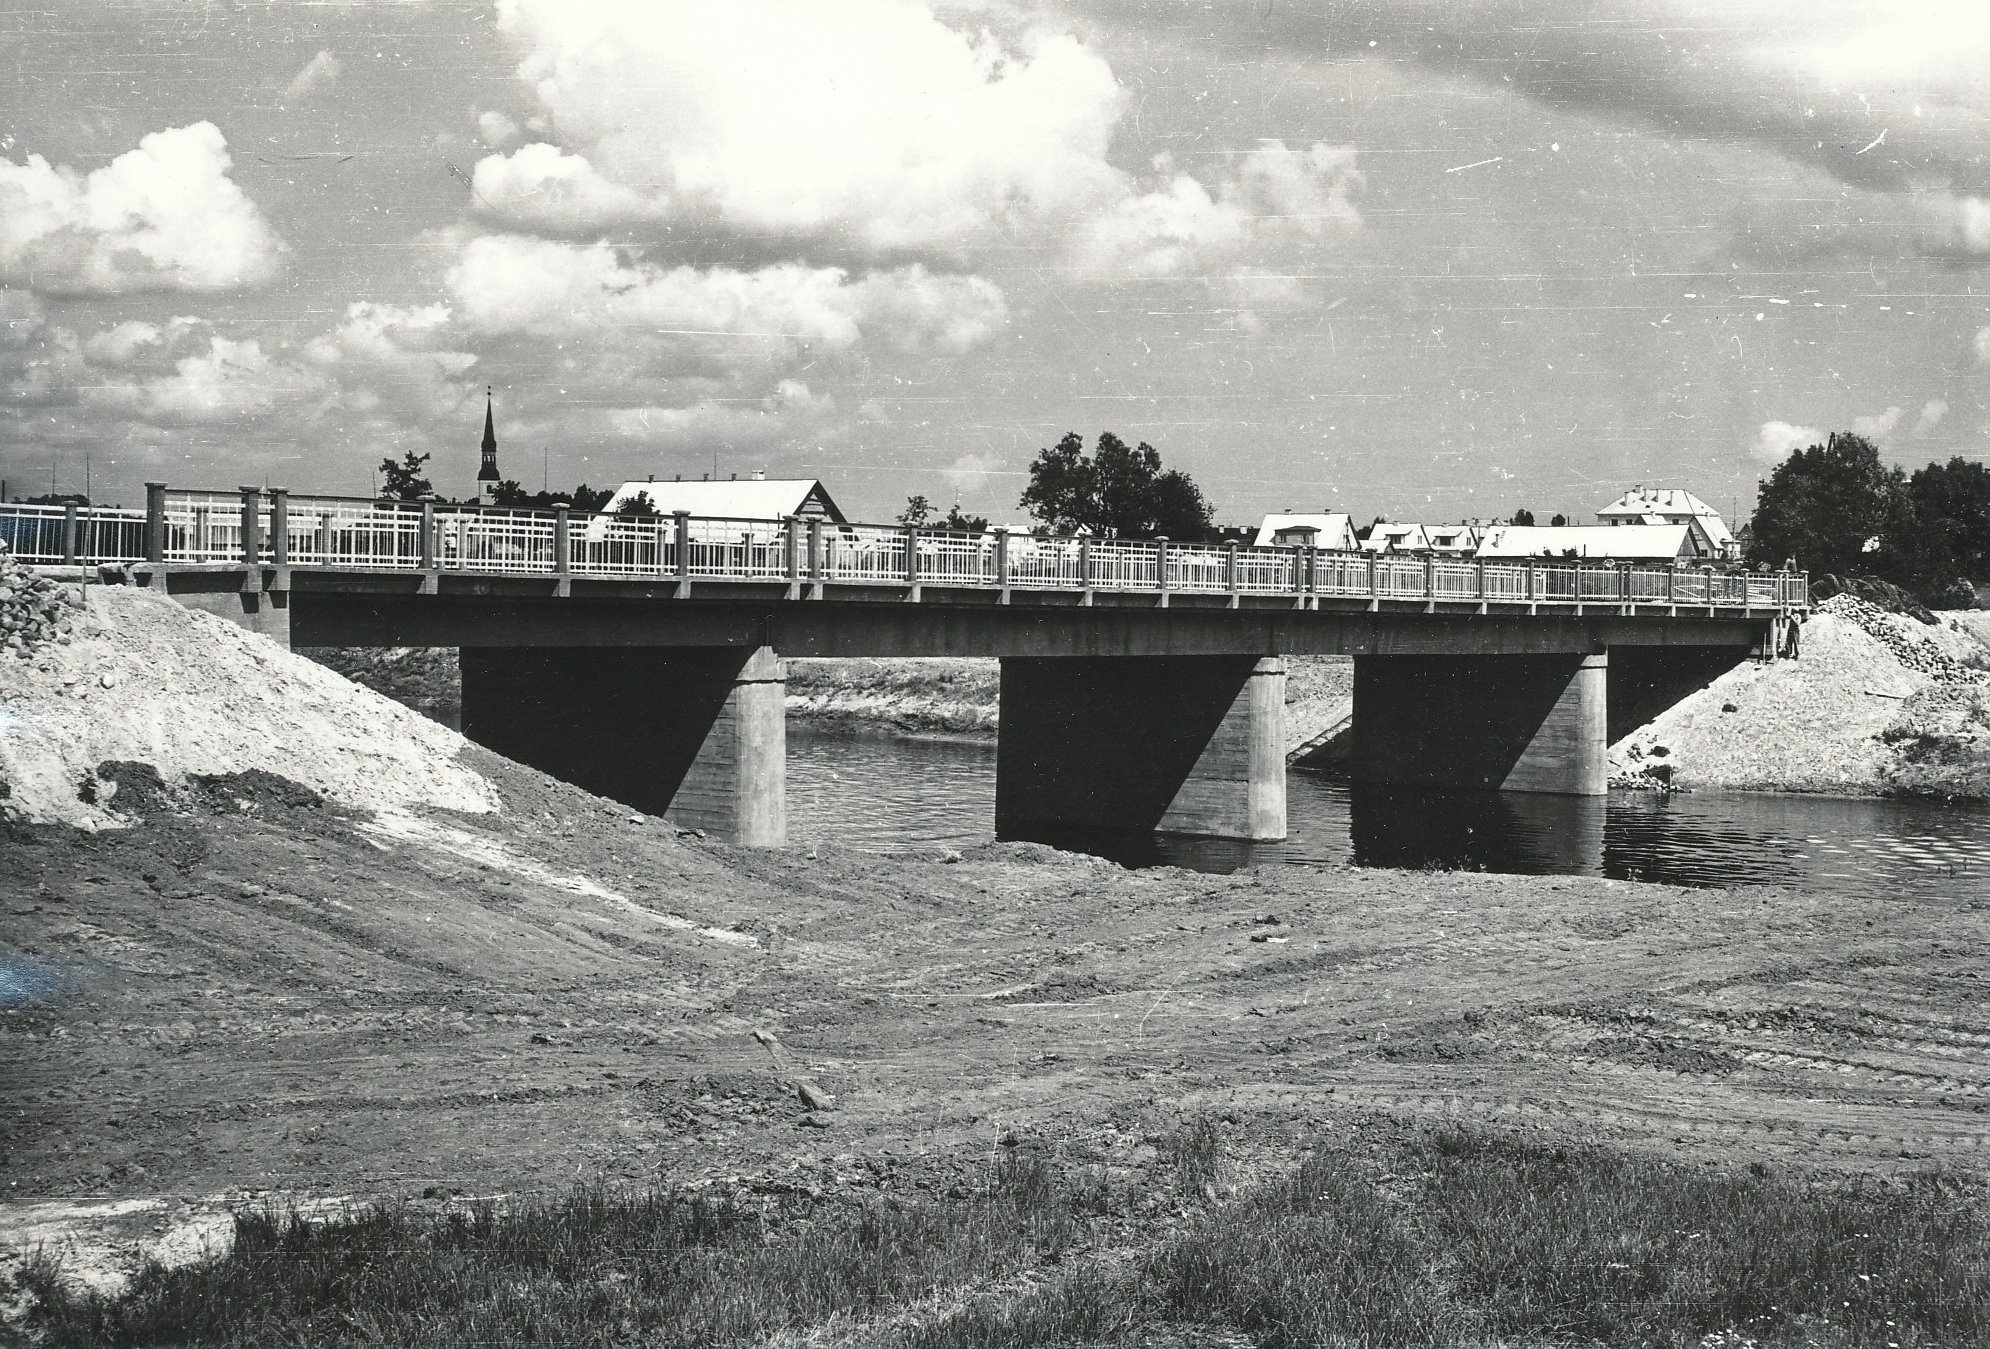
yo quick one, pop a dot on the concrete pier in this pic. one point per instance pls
(1174, 744)
(698, 735)
(1514, 723)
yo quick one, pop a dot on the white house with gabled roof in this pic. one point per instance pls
(1672, 506)
(1325, 529)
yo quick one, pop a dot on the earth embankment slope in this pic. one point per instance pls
(234, 985)
(1877, 703)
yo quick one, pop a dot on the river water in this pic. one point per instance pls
(897, 795)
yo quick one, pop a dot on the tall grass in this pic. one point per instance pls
(1450, 1238)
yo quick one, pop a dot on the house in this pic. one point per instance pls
(1612, 543)
(1328, 529)
(758, 498)
(1673, 506)
(1384, 537)
(1454, 540)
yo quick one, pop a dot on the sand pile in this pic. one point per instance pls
(145, 679)
(1878, 703)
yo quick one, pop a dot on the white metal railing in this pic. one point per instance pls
(274, 528)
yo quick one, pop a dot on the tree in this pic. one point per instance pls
(1523, 517)
(1117, 492)
(403, 481)
(1834, 508)
(583, 499)
(639, 507)
(1951, 535)
(917, 511)
(973, 524)
(1559, 522)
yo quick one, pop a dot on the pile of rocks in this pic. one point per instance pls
(1916, 654)
(34, 610)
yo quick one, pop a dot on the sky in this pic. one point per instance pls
(1407, 258)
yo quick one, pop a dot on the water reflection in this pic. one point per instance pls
(896, 795)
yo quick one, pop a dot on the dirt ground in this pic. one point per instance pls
(250, 993)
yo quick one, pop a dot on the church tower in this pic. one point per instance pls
(487, 472)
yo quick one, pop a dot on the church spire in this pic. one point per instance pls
(487, 472)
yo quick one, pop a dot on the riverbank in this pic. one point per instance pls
(1877, 704)
(229, 989)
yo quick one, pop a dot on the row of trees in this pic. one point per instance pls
(1835, 508)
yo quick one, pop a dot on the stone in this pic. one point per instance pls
(814, 1097)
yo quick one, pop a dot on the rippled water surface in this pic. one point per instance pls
(894, 795)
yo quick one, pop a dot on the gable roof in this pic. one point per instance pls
(1623, 543)
(753, 499)
(1387, 537)
(1334, 529)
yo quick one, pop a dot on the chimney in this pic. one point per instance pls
(652, 477)
(678, 478)
(704, 477)
(735, 477)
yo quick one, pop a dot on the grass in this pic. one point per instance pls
(1447, 1238)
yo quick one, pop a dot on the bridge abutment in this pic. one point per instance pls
(1512, 723)
(695, 734)
(1134, 744)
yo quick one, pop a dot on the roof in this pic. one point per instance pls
(1615, 542)
(752, 499)
(1385, 537)
(1454, 537)
(1668, 503)
(1334, 528)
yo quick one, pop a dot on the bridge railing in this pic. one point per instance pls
(271, 527)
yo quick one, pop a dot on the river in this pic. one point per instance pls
(897, 795)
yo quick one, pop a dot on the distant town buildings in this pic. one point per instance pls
(1672, 506)
(1326, 529)
(756, 498)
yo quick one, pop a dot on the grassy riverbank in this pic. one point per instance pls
(1445, 1236)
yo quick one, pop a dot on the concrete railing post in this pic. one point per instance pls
(815, 550)
(1161, 563)
(427, 541)
(1479, 575)
(912, 555)
(279, 526)
(1429, 577)
(682, 534)
(252, 526)
(1671, 582)
(791, 543)
(155, 522)
(1084, 564)
(1530, 581)
(563, 541)
(1002, 559)
(72, 542)
(325, 538)
(1230, 581)
(1371, 578)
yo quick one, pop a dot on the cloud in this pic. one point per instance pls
(21, 317)
(970, 471)
(1931, 416)
(542, 187)
(513, 284)
(870, 120)
(1878, 426)
(321, 72)
(496, 129)
(165, 216)
(1777, 441)
(1980, 345)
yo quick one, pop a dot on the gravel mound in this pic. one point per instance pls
(143, 679)
(34, 611)
(1879, 703)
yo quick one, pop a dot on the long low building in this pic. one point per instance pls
(1616, 543)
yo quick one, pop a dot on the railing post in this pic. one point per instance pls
(1371, 578)
(252, 526)
(1671, 577)
(1084, 564)
(1479, 568)
(792, 550)
(1230, 568)
(155, 522)
(1161, 565)
(71, 535)
(1429, 577)
(1624, 582)
(1530, 580)
(1002, 559)
(563, 542)
(325, 538)
(427, 542)
(912, 555)
(682, 525)
(815, 549)
(279, 526)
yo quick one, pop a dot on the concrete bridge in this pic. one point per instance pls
(1142, 681)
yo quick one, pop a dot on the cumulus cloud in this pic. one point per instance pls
(1931, 416)
(21, 316)
(871, 119)
(970, 471)
(321, 72)
(165, 216)
(539, 186)
(1777, 441)
(514, 284)
(496, 129)
(1980, 345)
(1878, 426)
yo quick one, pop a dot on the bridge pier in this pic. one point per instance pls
(696, 734)
(1515, 723)
(1135, 744)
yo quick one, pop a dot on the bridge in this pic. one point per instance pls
(1143, 681)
